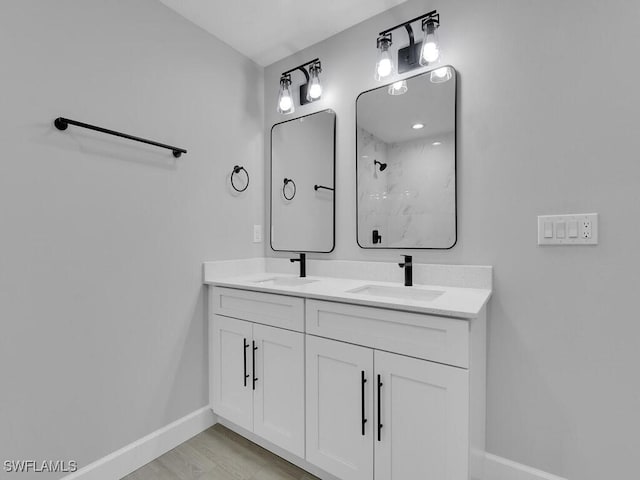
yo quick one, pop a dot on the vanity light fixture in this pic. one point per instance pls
(384, 64)
(285, 100)
(310, 91)
(415, 55)
(430, 51)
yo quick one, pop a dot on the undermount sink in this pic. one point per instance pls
(285, 281)
(401, 293)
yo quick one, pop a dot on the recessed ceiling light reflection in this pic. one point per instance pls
(435, 144)
(417, 126)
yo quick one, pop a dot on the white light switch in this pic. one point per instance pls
(576, 229)
(573, 228)
(257, 233)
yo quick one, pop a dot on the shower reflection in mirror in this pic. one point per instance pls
(406, 167)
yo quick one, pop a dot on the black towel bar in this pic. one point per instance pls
(62, 123)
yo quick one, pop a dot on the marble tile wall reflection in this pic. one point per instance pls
(412, 202)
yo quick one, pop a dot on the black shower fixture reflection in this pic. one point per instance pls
(382, 165)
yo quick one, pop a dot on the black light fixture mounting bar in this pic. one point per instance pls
(304, 86)
(62, 123)
(302, 69)
(432, 14)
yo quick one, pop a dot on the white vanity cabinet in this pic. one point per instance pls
(340, 421)
(421, 419)
(257, 370)
(359, 392)
(366, 408)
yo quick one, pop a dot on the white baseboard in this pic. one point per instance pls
(498, 468)
(133, 456)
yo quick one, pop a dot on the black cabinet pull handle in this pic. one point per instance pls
(362, 382)
(253, 360)
(379, 403)
(244, 354)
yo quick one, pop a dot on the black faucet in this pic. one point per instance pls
(377, 238)
(303, 264)
(408, 270)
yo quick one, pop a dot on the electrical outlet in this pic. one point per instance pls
(576, 229)
(257, 233)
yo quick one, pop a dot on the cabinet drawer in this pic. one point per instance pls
(440, 339)
(266, 308)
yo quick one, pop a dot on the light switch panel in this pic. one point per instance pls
(575, 229)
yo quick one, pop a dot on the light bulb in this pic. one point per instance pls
(398, 88)
(384, 65)
(285, 103)
(285, 100)
(430, 51)
(314, 90)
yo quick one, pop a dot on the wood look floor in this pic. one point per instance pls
(219, 454)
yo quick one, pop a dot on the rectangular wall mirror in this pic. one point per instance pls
(406, 163)
(302, 183)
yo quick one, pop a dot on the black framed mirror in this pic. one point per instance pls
(302, 183)
(406, 163)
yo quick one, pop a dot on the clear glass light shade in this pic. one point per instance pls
(285, 99)
(314, 89)
(398, 88)
(440, 75)
(430, 51)
(384, 65)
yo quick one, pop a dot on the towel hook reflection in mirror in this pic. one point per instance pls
(236, 170)
(284, 188)
(318, 187)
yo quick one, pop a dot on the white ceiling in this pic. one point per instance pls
(269, 30)
(432, 104)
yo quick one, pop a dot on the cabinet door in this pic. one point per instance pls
(339, 385)
(278, 401)
(232, 395)
(424, 413)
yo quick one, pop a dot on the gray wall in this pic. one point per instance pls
(102, 240)
(548, 109)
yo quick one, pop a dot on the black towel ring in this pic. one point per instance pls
(236, 170)
(284, 194)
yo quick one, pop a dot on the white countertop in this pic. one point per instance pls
(454, 301)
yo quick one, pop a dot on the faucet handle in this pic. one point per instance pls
(407, 261)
